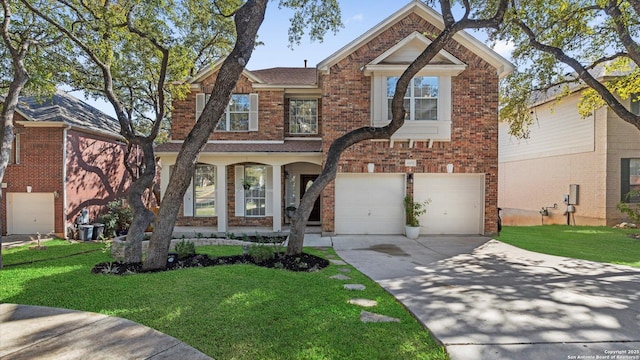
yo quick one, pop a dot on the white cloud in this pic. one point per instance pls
(355, 18)
(504, 48)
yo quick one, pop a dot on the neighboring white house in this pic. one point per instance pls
(596, 160)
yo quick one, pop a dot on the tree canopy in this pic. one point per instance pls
(561, 46)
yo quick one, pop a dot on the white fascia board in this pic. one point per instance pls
(212, 68)
(436, 69)
(283, 86)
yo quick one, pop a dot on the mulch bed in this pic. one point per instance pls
(298, 263)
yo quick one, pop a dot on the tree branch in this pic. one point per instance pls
(583, 74)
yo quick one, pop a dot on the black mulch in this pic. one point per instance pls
(299, 263)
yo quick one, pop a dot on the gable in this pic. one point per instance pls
(398, 57)
(418, 8)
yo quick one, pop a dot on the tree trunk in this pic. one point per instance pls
(20, 79)
(141, 215)
(248, 20)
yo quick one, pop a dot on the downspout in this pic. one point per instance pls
(64, 180)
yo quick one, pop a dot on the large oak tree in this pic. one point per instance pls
(134, 54)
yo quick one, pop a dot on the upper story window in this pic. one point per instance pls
(14, 155)
(420, 100)
(236, 118)
(303, 116)
(241, 113)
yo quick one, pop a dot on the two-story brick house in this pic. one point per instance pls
(66, 156)
(272, 141)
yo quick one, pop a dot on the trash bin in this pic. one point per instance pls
(98, 230)
(85, 232)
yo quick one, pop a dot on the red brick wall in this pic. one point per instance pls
(95, 174)
(40, 166)
(473, 147)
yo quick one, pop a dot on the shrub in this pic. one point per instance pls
(118, 217)
(632, 210)
(185, 249)
(413, 210)
(261, 253)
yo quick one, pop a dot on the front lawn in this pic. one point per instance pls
(227, 312)
(603, 244)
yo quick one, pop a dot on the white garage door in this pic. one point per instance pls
(30, 213)
(369, 204)
(457, 203)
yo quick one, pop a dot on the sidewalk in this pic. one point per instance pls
(36, 332)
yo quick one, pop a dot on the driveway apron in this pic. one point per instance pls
(484, 299)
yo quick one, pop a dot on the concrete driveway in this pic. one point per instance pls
(484, 299)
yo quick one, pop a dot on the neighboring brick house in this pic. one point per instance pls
(66, 156)
(597, 159)
(281, 121)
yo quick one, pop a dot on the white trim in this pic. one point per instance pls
(187, 201)
(429, 70)
(208, 70)
(239, 190)
(253, 112)
(293, 138)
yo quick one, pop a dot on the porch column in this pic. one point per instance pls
(277, 198)
(221, 197)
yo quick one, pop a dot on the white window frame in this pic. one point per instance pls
(241, 197)
(434, 130)
(308, 119)
(410, 96)
(202, 99)
(195, 193)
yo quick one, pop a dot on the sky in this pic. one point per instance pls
(358, 16)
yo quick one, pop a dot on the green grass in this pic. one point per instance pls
(602, 244)
(227, 312)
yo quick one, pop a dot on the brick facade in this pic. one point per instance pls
(473, 147)
(345, 103)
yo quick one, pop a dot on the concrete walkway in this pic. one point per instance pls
(37, 332)
(484, 299)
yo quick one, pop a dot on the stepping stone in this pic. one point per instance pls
(354, 287)
(363, 302)
(344, 270)
(330, 256)
(337, 262)
(367, 317)
(340, 277)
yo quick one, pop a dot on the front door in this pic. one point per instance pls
(305, 183)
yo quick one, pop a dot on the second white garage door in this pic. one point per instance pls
(369, 203)
(457, 203)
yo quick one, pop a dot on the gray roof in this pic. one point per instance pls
(66, 109)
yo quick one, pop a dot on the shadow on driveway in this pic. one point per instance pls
(496, 301)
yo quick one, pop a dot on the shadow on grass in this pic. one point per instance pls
(239, 311)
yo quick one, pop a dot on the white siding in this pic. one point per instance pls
(557, 130)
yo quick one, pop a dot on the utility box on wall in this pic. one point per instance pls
(574, 189)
